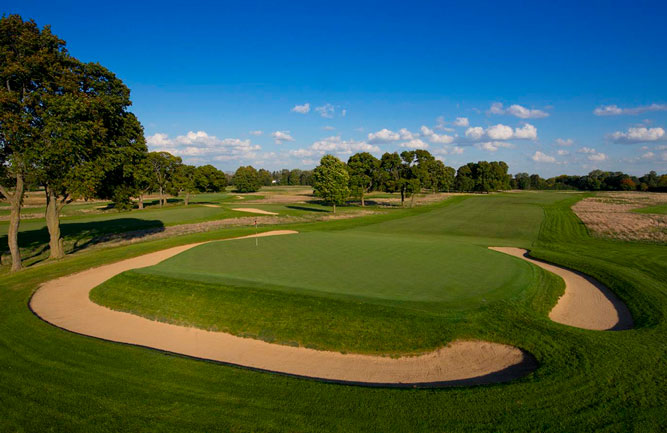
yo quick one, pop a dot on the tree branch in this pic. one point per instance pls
(4, 191)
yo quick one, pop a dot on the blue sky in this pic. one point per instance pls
(548, 87)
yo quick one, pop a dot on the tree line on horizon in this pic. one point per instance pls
(66, 129)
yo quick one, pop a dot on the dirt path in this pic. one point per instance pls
(586, 303)
(65, 303)
(253, 210)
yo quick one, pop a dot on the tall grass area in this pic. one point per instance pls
(52, 380)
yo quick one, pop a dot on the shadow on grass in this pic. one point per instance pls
(308, 209)
(79, 236)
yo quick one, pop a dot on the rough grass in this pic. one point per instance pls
(53, 380)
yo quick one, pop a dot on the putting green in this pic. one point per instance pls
(396, 268)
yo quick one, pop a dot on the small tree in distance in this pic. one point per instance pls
(331, 180)
(246, 179)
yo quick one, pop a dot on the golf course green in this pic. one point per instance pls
(403, 281)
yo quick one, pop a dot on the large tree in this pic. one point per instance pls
(209, 179)
(86, 129)
(30, 62)
(163, 170)
(364, 173)
(246, 179)
(331, 180)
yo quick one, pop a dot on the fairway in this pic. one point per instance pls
(398, 268)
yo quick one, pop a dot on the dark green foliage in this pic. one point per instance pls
(246, 179)
(209, 179)
(483, 176)
(331, 180)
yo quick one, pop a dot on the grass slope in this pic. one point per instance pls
(657, 209)
(52, 380)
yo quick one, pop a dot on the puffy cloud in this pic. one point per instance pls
(326, 110)
(343, 112)
(637, 135)
(200, 146)
(280, 137)
(441, 125)
(301, 153)
(461, 121)
(518, 111)
(597, 156)
(415, 143)
(344, 147)
(562, 152)
(501, 132)
(542, 157)
(526, 132)
(301, 109)
(405, 134)
(586, 150)
(328, 128)
(436, 138)
(497, 108)
(448, 150)
(564, 142)
(475, 132)
(383, 136)
(615, 110)
(648, 155)
(492, 146)
(256, 132)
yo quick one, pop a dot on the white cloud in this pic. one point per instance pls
(502, 132)
(597, 156)
(541, 157)
(326, 110)
(441, 125)
(300, 153)
(328, 128)
(638, 135)
(564, 142)
(615, 110)
(497, 108)
(448, 150)
(201, 147)
(526, 113)
(343, 112)
(562, 152)
(280, 137)
(301, 109)
(383, 136)
(492, 146)
(518, 111)
(586, 150)
(415, 143)
(405, 134)
(345, 147)
(475, 132)
(436, 138)
(461, 121)
(256, 132)
(499, 132)
(526, 132)
(648, 155)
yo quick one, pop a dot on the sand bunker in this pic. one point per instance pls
(253, 210)
(65, 303)
(211, 205)
(586, 303)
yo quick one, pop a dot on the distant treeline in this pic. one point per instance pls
(596, 180)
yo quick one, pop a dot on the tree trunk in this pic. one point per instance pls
(363, 203)
(16, 200)
(53, 225)
(402, 198)
(187, 198)
(141, 201)
(161, 197)
(412, 201)
(334, 208)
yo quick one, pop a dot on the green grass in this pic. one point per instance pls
(53, 380)
(657, 209)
